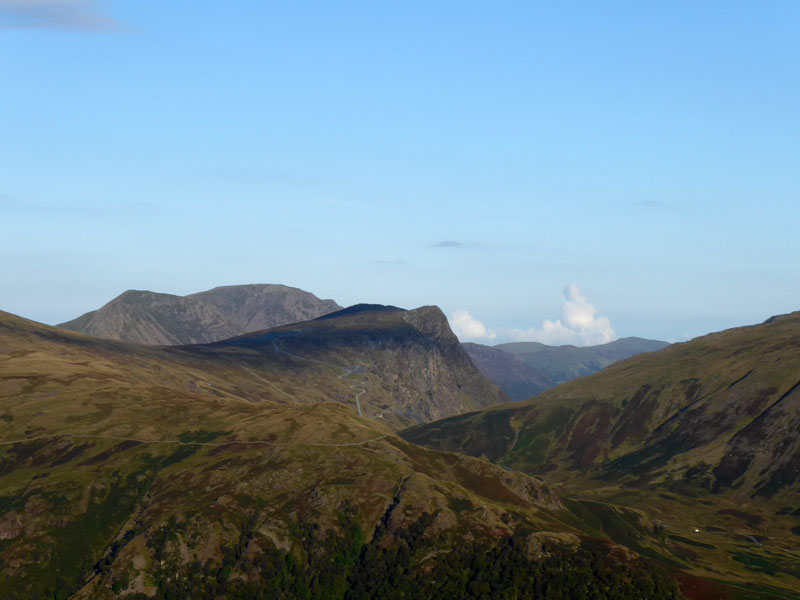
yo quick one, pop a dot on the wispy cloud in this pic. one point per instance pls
(26, 209)
(651, 204)
(466, 327)
(448, 244)
(390, 263)
(69, 15)
(580, 324)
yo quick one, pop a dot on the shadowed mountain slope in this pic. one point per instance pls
(155, 472)
(164, 319)
(404, 366)
(508, 371)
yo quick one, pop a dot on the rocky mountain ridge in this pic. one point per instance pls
(164, 319)
(404, 366)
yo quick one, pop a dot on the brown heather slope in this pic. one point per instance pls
(701, 435)
(182, 472)
(164, 319)
(729, 400)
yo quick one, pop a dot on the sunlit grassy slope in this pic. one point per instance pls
(701, 437)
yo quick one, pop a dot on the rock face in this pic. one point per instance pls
(164, 319)
(409, 361)
(256, 307)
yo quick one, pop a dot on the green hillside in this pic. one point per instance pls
(701, 437)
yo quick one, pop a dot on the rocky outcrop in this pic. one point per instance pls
(508, 371)
(409, 362)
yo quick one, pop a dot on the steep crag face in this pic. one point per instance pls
(409, 362)
(164, 319)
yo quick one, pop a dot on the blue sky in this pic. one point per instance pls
(646, 152)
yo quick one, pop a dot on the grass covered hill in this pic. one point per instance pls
(701, 436)
(147, 472)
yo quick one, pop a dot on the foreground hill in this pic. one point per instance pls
(215, 471)
(715, 420)
(152, 318)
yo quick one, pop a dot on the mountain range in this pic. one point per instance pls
(525, 369)
(243, 469)
(361, 454)
(521, 369)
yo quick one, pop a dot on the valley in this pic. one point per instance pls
(699, 437)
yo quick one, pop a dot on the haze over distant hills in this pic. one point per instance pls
(223, 312)
(525, 369)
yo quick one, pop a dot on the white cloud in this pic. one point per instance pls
(580, 324)
(86, 15)
(468, 328)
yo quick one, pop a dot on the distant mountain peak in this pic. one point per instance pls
(149, 317)
(525, 369)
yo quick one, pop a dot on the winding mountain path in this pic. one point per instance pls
(360, 386)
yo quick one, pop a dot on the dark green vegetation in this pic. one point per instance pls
(404, 564)
(700, 438)
(153, 318)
